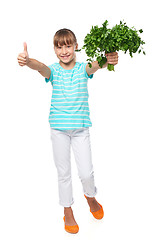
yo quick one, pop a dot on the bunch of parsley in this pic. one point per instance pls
(102, 40)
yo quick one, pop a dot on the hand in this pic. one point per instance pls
(23, 58)
(112, 58)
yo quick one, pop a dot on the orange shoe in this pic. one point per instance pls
(71, 229)
(98, 214)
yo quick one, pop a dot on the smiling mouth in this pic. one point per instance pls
(65, 56)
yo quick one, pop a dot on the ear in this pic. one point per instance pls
(76, 46)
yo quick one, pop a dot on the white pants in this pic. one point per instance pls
(80, 141)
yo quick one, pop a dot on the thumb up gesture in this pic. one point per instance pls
(23, 58)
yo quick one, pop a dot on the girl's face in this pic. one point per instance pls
(66, 53)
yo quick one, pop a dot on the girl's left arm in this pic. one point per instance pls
(112, 58)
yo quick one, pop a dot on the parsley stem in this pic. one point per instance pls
(110, 67)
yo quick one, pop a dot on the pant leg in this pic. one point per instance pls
(81, 146)
(61, 142)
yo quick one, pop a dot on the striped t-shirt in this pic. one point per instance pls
(69, 104)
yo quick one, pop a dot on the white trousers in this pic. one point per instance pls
(79, 139)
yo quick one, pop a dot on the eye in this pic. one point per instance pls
(68, 46)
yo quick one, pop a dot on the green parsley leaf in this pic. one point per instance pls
(103, 40)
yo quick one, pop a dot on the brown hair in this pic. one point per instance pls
(63, 37)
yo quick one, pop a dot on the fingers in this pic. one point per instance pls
(22, 63)
(112, 58)
(23, 57)
(112, 54)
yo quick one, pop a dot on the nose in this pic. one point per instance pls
(64, 50)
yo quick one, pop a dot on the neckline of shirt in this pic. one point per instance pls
(68, 70)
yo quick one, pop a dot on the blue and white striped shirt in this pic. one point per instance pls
(69, 104)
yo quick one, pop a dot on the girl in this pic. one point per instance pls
(69, 120)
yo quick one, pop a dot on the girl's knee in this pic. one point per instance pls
(85, 176)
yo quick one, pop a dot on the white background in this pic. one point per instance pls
(125, 135)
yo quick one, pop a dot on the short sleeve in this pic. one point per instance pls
(51, 75)
(86, 74)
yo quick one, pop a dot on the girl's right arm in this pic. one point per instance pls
(24, 60)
